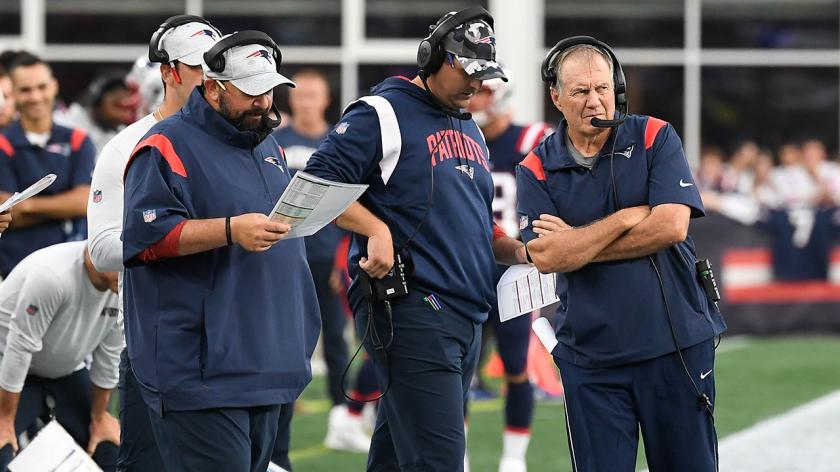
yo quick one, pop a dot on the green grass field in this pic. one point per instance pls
(762, 378)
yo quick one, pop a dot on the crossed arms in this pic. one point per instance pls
(626, 234)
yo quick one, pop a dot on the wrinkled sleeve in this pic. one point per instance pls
(105, 211)
(670, 179)
(533, 198)
(352, 150)
(154, 201)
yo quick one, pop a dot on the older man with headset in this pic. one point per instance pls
(220, 309)
(610, 196)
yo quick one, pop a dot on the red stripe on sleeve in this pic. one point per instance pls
(164, 146)
(652, 129)
(532, 162)
(166, 247)
(77, 137)
(6, 146)
(498, 232)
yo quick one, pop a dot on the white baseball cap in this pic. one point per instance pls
(251, 68)
(188, 42)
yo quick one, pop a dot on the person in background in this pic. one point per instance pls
(106, 107)
(57, 311)
(32, 147)
(7, 99)
(183, 39)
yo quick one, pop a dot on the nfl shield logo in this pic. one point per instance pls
(523, 222)
(342, 128)
(149, 215)
(31, 310)
(97, 196)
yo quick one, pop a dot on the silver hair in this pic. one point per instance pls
(559, 62)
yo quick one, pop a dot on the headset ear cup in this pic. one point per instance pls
(424, 54)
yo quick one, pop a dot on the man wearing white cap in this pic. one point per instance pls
(221, 312)
(178, 45)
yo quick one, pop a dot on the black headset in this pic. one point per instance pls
(215, 58)
(549, 74)
(430, 53)
(156, 53)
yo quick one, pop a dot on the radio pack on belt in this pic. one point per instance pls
(393, 285)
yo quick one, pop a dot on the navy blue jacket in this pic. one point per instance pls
(70, 155)
(451, 222)
(613, 313)
(221, 328)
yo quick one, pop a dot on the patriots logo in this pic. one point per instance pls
(261, 53)
(97, 196)
(204, 32)
(468, 170)
(274, 161)
(31, 310)
(627, 152)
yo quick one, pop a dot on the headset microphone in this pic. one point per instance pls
(599, 123)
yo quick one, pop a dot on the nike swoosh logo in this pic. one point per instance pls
(685, 184)
(704, 375)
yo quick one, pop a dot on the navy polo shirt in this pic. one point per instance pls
(69, 154)
(613, 313)
(225, 327)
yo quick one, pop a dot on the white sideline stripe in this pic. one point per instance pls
(803, 439)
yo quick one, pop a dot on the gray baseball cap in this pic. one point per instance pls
(251, 68)
(474, 45)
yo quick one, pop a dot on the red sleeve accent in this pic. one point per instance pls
(533, 163)
(6, 146)
(77, 137)
(498, 232)
(164, 146)
(652, 129)
(341, 254)
(166, 247)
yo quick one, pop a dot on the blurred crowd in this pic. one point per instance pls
(751, 180)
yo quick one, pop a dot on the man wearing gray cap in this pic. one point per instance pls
(429, 204)
(221, 313)
(176, 49)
